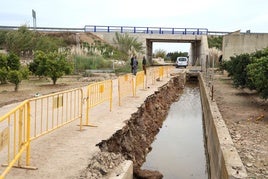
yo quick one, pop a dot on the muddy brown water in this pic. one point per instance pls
(178, 150)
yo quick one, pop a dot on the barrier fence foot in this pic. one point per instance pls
(21, 167)
(89, 125)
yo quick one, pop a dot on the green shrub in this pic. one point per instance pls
(24, 42)
(237, 70)
(82, 63)
(13, 61)
(15, 77)
(3, 75)
(52, 64)
(258, 74)
(249, 70)
(215, 41)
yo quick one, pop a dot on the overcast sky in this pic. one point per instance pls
(216, 15)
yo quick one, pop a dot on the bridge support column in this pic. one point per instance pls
(149, 51)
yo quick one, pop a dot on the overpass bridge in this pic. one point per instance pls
(197, 37)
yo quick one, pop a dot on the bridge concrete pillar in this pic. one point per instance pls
(149, 51)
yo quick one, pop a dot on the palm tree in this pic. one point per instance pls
(127, 45)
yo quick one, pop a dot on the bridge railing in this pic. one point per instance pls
(123, 29)
(146, 30)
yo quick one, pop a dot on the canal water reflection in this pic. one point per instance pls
(178, 151)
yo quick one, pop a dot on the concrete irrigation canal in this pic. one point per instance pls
(178, 147)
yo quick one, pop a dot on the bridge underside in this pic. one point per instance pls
(194, 52)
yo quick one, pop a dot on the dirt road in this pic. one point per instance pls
(246, 117)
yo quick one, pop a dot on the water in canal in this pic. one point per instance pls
(178, 150)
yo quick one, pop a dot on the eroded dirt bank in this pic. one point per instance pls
(133, 141)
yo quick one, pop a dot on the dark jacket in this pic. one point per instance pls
(143, 61)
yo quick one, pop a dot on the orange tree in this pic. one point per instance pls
(258, 74)
(53, 65)
(11, 70)
(249, 70)
(237, 70)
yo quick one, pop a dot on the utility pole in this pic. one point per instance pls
(34, 19)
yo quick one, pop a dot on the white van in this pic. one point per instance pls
(182, 62)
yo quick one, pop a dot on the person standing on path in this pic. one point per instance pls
(135, 65)
(131, 63)
(144, 65)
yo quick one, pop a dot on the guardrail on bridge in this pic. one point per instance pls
(146, 30)
(121, 29)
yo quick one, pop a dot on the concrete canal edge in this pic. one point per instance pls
(223, 158)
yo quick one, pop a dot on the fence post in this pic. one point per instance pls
(133, 86)
(88, 107)
(111, 95)
(28, 134)
(20, 143)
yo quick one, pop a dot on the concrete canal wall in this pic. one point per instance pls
(223, 157)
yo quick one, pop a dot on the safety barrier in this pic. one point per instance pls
(150, 76)
(166, 70)
(34, 118)
(15, 137)
(160, 73)
(98, 93)
(125, 86)
(122, 29)
(38, 116)
(50, 112)
(146, 30)
(156, 74)
(140, 83)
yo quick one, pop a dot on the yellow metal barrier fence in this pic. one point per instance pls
(161, 72)
(167, 70)
(98, 93)
(52, 111)
(32, 119)
(139, 81)
(158, 72)
(15, 137)
(125, 86)
(150, 75)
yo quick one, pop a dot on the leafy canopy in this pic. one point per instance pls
(52, 64)
(215, 41)
(24, 42)
(11, 70)
(258, 74)
(249, 70)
